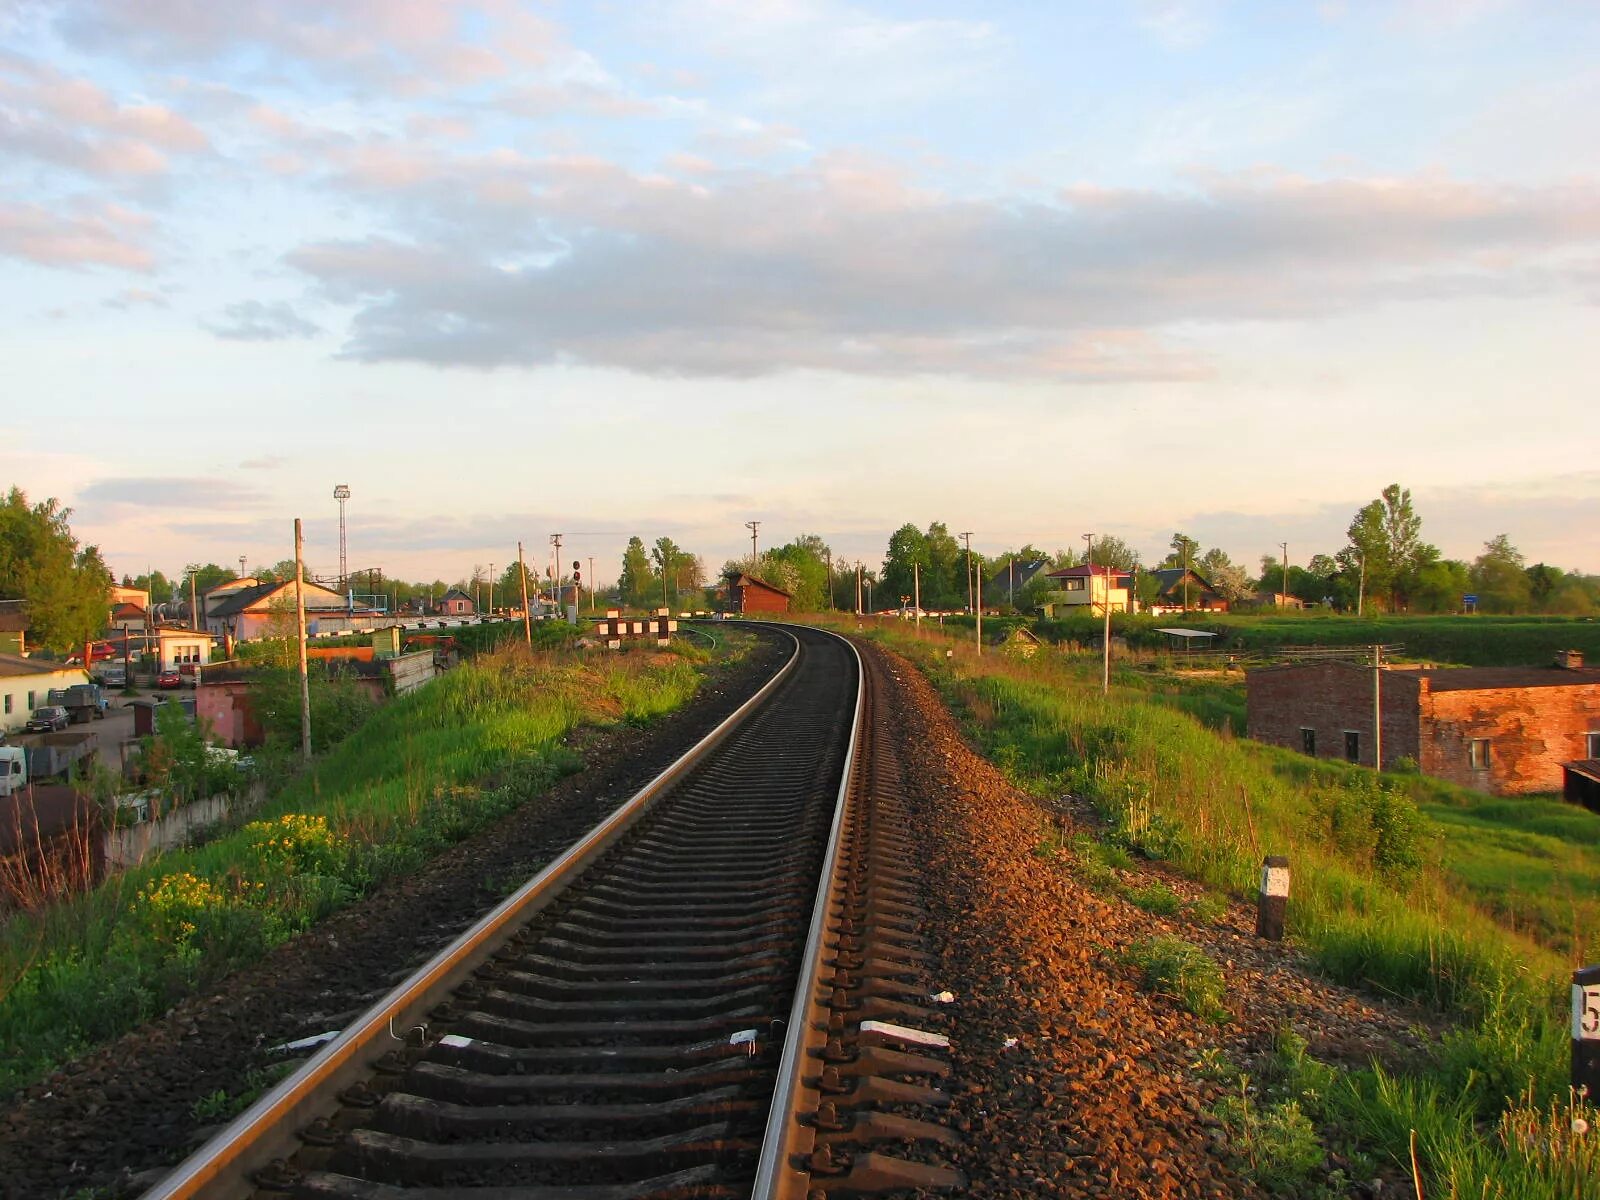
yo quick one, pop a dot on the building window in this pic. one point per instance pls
(1073, 585)
(31, 704)
(1480, 754)
(1594, 745)
(1308, 741)
(1352, 746)
(8, 701)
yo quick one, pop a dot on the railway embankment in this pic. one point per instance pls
(445, 801)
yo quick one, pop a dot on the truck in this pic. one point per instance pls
(55, 753)
(84, 702)
(13, 769)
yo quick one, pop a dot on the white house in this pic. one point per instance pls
(25, 684)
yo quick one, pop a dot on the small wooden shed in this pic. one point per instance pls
(747, 594)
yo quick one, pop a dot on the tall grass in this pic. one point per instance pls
(425, 771)
(1370, 902)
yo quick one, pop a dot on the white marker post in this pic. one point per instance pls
(1273, 903)
(1586, 1030)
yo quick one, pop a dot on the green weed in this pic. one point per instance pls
(1179, 969)
(1156, 898)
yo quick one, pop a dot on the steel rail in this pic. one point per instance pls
(776, 1175)
(265, 1131)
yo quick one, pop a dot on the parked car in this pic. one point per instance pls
(168, 680)
(48, 718)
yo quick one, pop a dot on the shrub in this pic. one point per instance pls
(1174, 967)
(1157, 898)
(1278, 1142)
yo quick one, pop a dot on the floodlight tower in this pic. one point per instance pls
(341, 493)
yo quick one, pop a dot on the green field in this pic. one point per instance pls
(1477, 641)
(1405, 887)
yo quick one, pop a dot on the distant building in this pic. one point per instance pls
(1091, 587)
(268, 610)
(457, 603)
(25, 684)
(13, 628)
(1013, 575)
(213, 598)
(1183, 589)
(1505, 730)
(128, 617)
(747, 594)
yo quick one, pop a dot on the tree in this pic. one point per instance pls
(1111, 551)
(1439, 587)
(65, 588)
(638, 585)
(1499, 578)
(804, 562)
(1185, 552)
(906, 557)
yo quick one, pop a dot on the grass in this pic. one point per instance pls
(425, 771)
(1182, 970)
(1395, 885)
(1479, 640)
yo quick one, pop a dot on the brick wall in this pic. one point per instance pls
(1330, 698)
(1531, 732)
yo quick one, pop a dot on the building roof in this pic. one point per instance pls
(13, 664)
(248, 597)
(748, 580)
(1186, 633)
(1026, 569)
(1479, 679)
(1171, 578)
(13, 620)
(1084, 571)
(455, 591)
(1589, 768)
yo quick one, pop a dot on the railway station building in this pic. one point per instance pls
(747, 594)
(1503, 730)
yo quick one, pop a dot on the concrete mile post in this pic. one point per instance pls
(1273, 903)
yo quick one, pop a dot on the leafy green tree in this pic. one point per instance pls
(1184, 551)
(1439, 586)
(804, 562)
(64, 587)
(1499, 578)
(1111, 551)
(908, 554)
(638, 584)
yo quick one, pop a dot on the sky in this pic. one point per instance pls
(664, 267)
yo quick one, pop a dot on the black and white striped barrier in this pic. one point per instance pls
(1273, 903)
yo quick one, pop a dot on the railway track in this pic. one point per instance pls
(720, 992)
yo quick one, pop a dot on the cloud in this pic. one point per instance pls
(843, 265)
(131, 298)
(107, 236)
(76, 124)
(204, 495)
(267, 463)
(255, 321)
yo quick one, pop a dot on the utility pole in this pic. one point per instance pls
(1011, 581)
(527, 618)
(858, 587)
(591, 583)
(828, 554)
(916, 593)
(1283, 583)
(967, 538)
(300, 626)
(491, 589)
(194, 605)
(752, 526)
(1361, 585)
(1186, 576)
(1377, 708)
(666, 574)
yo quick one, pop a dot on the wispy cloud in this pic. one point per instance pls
(199, 494)
(256, 321)
(104, 235)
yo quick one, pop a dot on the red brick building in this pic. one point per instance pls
(1505, 730)
(747, 594)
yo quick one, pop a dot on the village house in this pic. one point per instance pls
(268, 610)
(1183, 589)
(25, 684)
(1091, 587)
(213, 597)
(1012, 576)
(747, 594)
(176, 648)
(1505, 730)
(457, 603)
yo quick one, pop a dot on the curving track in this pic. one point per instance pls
(619, 1028)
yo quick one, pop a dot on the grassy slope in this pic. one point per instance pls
(427, 770)
(1370, 901)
